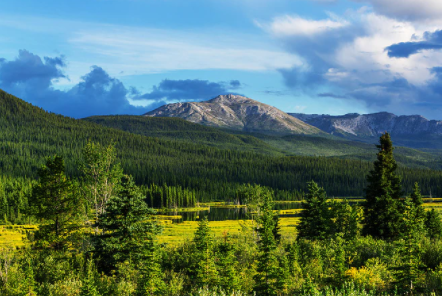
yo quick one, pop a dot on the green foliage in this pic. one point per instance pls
(228, 266)
(433, 224)
(270, 277)
(89, 287)
(29, 134)
(206, 273)
(345, 219)
(383, 207)
(409, 245)
(55, 202)
(101, 176)
(168, 196)
(315, 218)
(128, 228)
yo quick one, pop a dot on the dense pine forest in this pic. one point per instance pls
(85, 197)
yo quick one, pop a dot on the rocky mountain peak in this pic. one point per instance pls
(236, 112)
(232, 99)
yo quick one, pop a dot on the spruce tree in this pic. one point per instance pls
(409, 247)
(433, 224)
(89, 287)
(315, 217)
(56, 203)
(205, 271)
(268, 278)
(383, 207)
(128, 228)
(416, 199)
(227, 266)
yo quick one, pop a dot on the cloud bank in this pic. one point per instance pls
(388, 59)
(31, 78)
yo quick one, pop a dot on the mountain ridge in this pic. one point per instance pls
(372, 124)
(238, 113)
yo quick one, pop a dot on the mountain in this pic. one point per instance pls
(28, 135)
(412, 131)
(178, 129)
(237, 113)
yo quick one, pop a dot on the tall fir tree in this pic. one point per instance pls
(412, 224)
(383, 207)
(268, 279)
(229, 279)
(205, 271)
(128, 229)
(433, 224)
(315, 217)
(55, 202)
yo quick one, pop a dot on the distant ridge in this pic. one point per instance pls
(238, 113)
(373, 124)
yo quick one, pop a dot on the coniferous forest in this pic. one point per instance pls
(90, 203)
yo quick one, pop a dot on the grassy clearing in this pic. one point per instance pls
(175, 234)
(14, 236)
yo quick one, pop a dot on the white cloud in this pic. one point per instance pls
(284, 26)
(408, 9)
(141, 51)
(124, 50)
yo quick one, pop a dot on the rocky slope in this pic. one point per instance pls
(237, 112)
(372, 125)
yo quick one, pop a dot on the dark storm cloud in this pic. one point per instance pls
(432, 40)
(185, 90)
(31, 78)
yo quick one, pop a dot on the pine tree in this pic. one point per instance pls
(383, 207)
(315, 217)
(268, 278)
(433, 224)
(416, 198)
(227, 266)
(409, 247)
(54, 201)
(151, 281)
(206, 273)
(128, 228)
(344, 219)
(89, 287)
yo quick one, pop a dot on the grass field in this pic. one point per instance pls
(14, 236)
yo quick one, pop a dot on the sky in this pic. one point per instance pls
(100, 57)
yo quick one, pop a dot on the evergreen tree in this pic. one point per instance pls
(89, 287)
(128, 228)
(268, 278)
(433, 224)
(315, 217)
(151, 281)
(206, 273)
(416, 198)
(344, 219)
(54, 201)
(227, 263)
(383, 207)
(409, 248)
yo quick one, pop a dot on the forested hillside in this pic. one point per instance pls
(29, 135)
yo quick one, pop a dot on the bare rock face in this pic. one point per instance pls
(237, 112)
(372, 125)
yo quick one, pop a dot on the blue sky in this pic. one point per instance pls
(96, 57)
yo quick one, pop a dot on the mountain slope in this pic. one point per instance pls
(412, 131)
(181, 130)
(238, 113)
